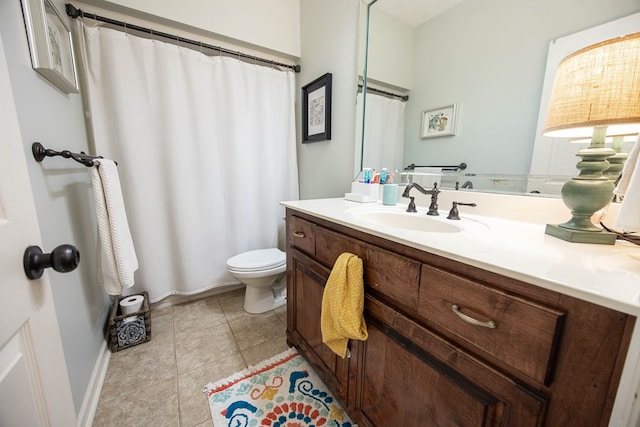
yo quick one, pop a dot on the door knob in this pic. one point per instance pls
(63, 259)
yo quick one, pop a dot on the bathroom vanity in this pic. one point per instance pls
(495, 324)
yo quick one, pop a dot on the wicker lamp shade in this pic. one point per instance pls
(597, 86)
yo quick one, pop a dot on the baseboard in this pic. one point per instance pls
(92, 396)
(181, 299)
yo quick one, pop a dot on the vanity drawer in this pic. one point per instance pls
(392, 275)
(301, 234)
(521, 333)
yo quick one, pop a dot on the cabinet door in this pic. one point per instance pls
(305, 286)
(394, 276)
(428, 381)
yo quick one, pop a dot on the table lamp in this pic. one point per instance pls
(596, 93)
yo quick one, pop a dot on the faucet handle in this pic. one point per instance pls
(433, 207)
(412, 205)
(454, 214)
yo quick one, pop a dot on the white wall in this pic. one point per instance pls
(490, 57)
(274, 24)
(391, 50)
(329, 42)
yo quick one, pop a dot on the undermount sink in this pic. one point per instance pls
(416, 221)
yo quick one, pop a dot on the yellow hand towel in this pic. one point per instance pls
(343, 304)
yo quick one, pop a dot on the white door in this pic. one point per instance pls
(34, 385)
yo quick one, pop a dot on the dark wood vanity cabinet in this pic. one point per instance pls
(450, 344)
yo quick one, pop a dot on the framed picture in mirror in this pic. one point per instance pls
(316, 110)
(442, 121)
(50, 44)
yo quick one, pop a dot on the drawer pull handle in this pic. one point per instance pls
(298, 234)
(490, 324)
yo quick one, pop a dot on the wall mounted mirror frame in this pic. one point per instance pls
(494, 151)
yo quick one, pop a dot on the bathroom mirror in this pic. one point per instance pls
(490, 58)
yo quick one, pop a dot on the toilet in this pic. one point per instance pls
(263, 273)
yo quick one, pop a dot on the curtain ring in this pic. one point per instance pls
(125, 27)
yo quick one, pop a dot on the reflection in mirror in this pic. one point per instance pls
(384, 131)
(489, 57)
(539, 185)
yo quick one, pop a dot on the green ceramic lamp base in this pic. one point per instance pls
(586, 194)
(578, 236)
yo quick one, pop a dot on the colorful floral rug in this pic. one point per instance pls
(283, 391)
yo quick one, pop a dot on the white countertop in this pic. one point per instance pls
(608, 275)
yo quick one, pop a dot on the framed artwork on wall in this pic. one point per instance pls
(316, 110)
(50, 44)
(441, 121)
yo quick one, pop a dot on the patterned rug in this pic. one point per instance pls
(283, 391)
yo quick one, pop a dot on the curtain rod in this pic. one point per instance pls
(74, 12)
(382, 92)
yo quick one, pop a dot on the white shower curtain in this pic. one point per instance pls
(205, 149)
(383, 134)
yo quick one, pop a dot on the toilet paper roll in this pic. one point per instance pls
(131, 304)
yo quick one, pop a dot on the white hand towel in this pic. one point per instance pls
(118, 254)
(628, 218)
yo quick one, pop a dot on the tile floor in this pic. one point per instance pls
(159, 383)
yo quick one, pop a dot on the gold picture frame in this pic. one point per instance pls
(50, 44)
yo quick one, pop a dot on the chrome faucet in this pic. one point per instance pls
(433, 207)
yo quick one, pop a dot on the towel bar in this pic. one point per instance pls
(39, 153)
(455, 168)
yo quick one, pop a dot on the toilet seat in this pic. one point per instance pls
(257, 260)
